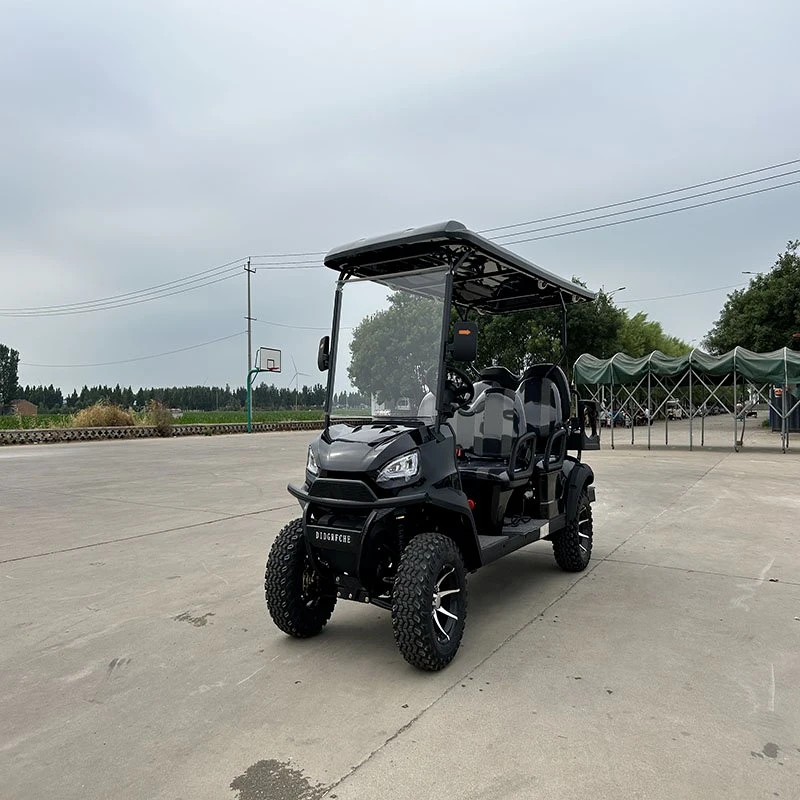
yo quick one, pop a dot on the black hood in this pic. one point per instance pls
(367, 447)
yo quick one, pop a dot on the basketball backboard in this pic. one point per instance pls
(268, 359)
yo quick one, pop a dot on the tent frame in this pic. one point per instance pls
(689, 375)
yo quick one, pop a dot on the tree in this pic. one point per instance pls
(766, 315)
(9, 374)
(530, 337)
(640, 336)
(393, 350)
(383, 341)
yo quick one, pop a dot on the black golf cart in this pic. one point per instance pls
(442, 469)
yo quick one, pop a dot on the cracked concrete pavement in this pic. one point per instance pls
(138, 660)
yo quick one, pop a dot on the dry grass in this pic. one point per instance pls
(159, 416)
(103, 415)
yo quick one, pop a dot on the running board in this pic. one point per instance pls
(515, 536)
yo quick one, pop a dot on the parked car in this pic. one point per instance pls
(674, 410)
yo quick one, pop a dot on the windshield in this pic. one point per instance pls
(388, 353)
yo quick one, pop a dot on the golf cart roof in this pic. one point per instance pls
(488, 278)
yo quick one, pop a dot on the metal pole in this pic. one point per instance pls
(735, 421)
(784, 418)
(612, 420)
(249, 319)
(785, 406)
(703, 429)
(250, 375)
(691, 409)
(649, 409)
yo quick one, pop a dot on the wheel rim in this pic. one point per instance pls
(310, 590)
(445, 605)
(585, 532)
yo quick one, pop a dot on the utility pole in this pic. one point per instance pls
(249, 319)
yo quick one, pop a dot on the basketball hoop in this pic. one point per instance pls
(268, 359)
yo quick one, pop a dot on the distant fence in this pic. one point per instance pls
(52, 435)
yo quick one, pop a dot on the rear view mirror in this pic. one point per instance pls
(465, 341)
(324, 353)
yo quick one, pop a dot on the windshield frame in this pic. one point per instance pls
(447, 271)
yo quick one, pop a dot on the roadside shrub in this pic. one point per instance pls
(103, 415)
(160, 417)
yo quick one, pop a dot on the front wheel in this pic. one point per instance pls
(429, 601)
(299, 599)
(572, 547)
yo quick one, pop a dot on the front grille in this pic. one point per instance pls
(338, 489)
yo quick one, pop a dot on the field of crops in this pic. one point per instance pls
(13, 422)
(199, 417)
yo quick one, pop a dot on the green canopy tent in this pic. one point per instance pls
(762, 372)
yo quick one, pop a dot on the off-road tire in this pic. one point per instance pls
(293, 608)
(571, 550)
(425, 559)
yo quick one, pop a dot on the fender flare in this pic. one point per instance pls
(580, 477)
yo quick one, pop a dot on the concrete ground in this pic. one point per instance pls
(137, 659)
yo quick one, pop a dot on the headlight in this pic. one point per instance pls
(311, 464)
(400, 471)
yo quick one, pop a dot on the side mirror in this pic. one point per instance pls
(465, 341)
(324, 353)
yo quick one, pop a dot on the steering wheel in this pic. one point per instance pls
(459, 386)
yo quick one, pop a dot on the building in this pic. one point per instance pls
(23, 408)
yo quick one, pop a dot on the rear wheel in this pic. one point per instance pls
(299, 599)
(572, 547)
(429, 601)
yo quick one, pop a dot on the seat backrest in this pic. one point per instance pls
(555, 374)
(498, 423)
(544, 403)
(427, 408)
(466, 420)
(500, 376)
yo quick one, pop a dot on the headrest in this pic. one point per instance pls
(501, 376)
(555, 374)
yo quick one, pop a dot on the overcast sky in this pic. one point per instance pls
(146, 141)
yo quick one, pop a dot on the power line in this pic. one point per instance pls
(683, 294)
(300, 327)
(139, 358)
(198, 280)
(651, 216)
(197, 275)
(133, 302)
(267, 267)
(291, 255)
(187, 283)
(640, 199)
(651, 205)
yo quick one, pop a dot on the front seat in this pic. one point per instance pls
(497, 420)
(545, 396)
(467, 421)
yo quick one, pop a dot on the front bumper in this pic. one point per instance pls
(350, 494)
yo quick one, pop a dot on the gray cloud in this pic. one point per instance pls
(152, 141)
